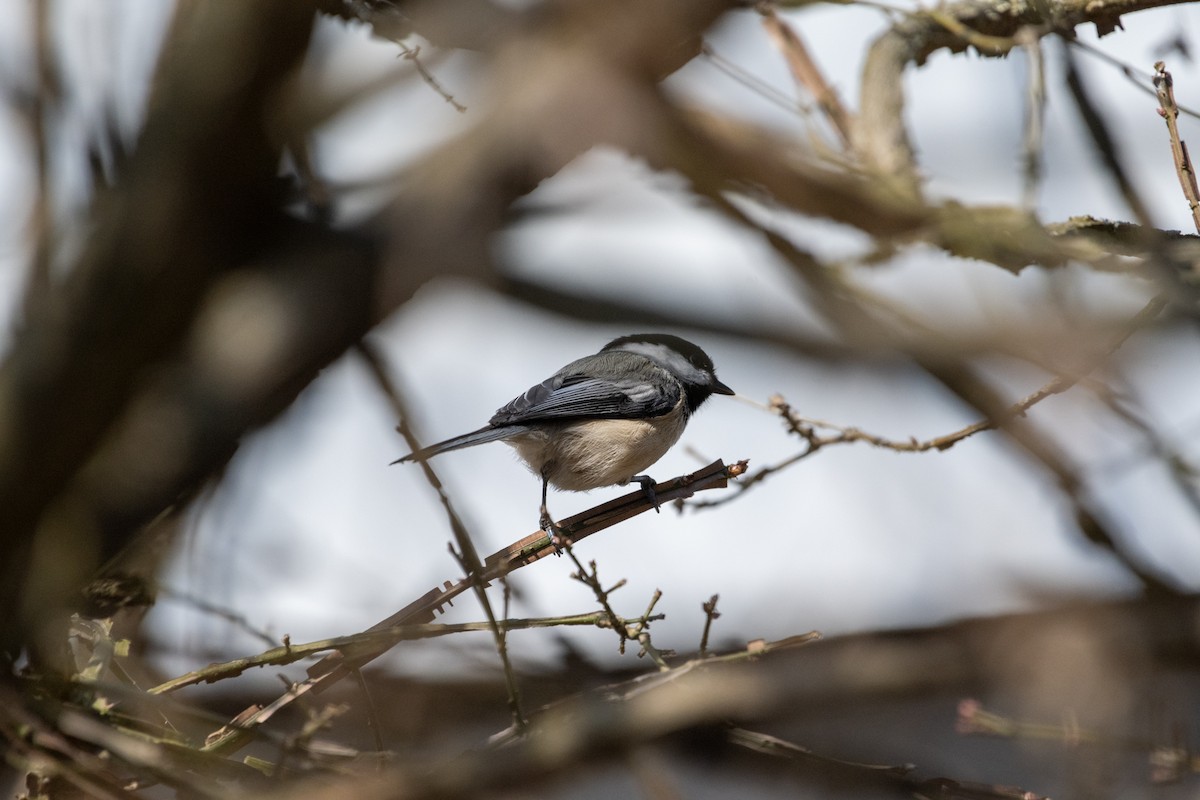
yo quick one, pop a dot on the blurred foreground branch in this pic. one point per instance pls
(1092, 660)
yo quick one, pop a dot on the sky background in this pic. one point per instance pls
(312, 534)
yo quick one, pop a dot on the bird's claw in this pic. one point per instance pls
(557, 538)
(648, 484)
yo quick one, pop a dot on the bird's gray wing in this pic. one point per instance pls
(572, 395)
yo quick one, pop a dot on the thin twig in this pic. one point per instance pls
(1104, 143)
(710, 614)
(367, 641)
(1164, 86)
(753, 82)
(466, 554)
(468, 559)
(44, 102)
(317, 720)
(753, 650)
(974, 720)
(642, 631)
(1035, 114)
(805, 71)
(413, 55)
(809, 429)
(1182, 473)
(659, 657)
(373, 721)
(774, 746)
(590, 577)
(1140, 79)
(221, 612)
(648, 615)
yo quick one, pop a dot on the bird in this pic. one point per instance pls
(602, 419)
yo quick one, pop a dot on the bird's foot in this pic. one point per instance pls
(557, 536)
(648, 489)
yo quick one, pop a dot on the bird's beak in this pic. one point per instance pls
(720, 388)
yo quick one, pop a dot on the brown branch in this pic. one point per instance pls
(1089, 520)
(1105, 145)
(1089, 656)
(1174, 274)
(413, 55)
(534, 547)
(642, 631)
(808, 429)
(781, 748)
(372, 640)
(590, 577)
(466, 555)
(805, 71)
(880, 137)
(44, 105)
(710, 614)
(76, 363)
(1035, 113)
(1164, 87)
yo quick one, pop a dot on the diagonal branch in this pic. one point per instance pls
(466, 555)
(524, 552)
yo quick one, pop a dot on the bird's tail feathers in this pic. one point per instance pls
(481, 436)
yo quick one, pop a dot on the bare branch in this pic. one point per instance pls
(806, 73)
(1164, 86)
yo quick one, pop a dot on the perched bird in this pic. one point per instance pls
(601, 420)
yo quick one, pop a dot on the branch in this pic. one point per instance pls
(206, 164)
(534, 547)
(806, 73)
(881, 139)
(465, 555)
(1169, 110)
(373, 640)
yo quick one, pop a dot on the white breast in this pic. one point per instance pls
(578, 456)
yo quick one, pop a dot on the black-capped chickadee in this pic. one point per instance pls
(601, 420)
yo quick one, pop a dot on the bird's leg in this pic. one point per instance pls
(648, 489)
(547, 523)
